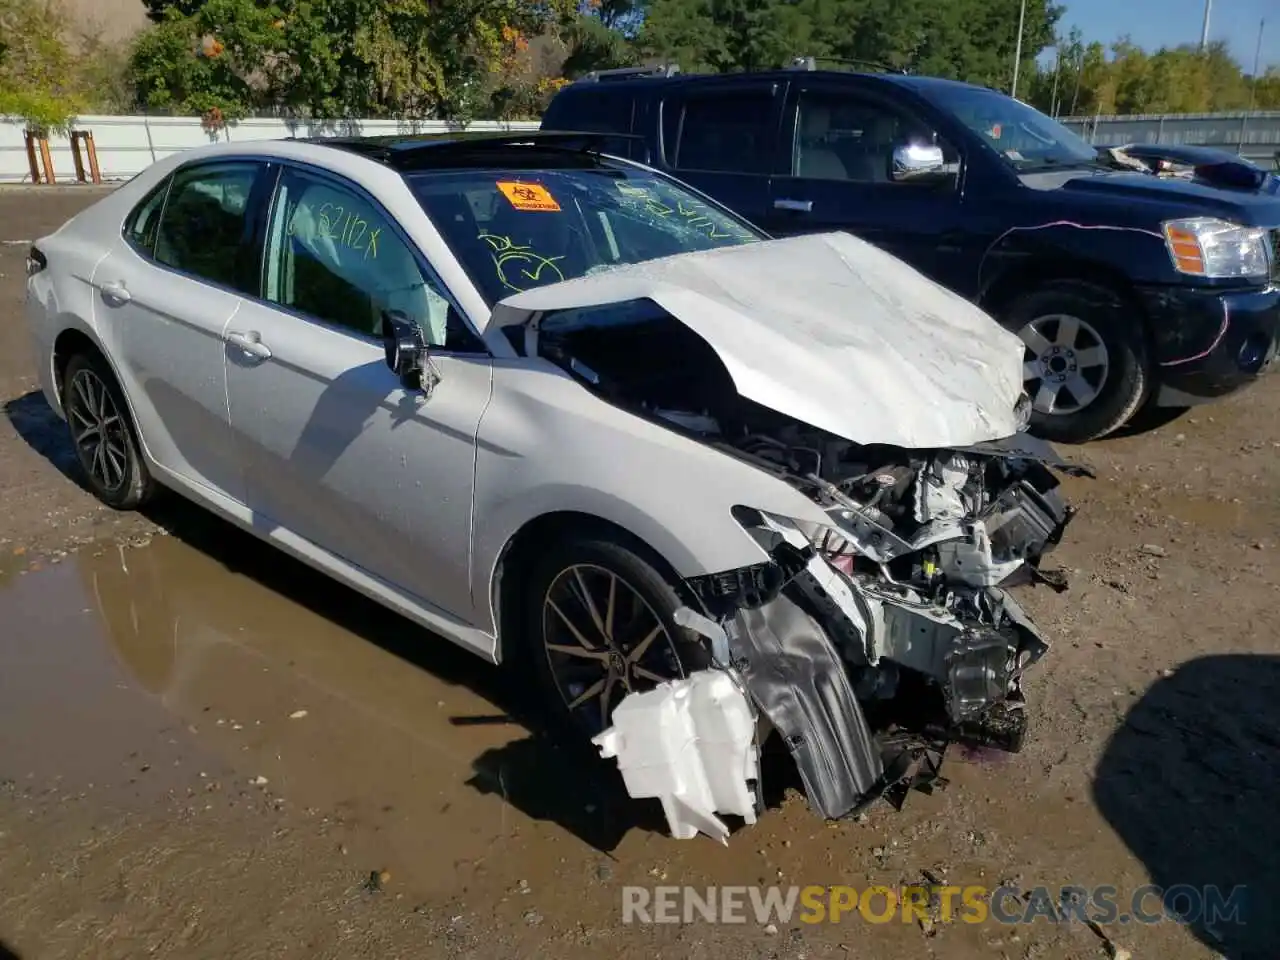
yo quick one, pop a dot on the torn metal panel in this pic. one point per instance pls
(796, 675)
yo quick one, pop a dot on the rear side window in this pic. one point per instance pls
(727, 132)
(204, 226)
(140, 228)
(594, 108)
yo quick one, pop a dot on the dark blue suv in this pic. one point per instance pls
(1134, 276)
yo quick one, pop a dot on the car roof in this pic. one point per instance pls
(908, 81)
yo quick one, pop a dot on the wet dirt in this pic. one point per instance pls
(207, 749)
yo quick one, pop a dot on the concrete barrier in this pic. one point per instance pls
(126, 145)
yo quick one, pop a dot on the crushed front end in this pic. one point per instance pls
(871, 642)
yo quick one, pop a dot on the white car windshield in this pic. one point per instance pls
(515, 229)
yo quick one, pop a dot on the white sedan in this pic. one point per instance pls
(561, 409)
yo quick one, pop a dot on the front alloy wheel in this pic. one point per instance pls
(1085, 363)
(1066, 363)
(602, 641)
(601, 616)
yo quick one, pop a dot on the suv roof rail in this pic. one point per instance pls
(626, 73)
(811, 63)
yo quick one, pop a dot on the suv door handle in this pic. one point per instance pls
(116, 290)
(797, 206)
(251, 343)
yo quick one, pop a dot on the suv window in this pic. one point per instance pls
(843, 137)
(714, 132)
(204, 225)
(333, 254)
(595, 109)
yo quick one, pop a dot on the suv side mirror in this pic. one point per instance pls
(918, 163)
(405, 347)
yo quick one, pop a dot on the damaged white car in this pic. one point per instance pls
(563, 410)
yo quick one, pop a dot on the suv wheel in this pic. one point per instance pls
(601, 621)
(1085, 366)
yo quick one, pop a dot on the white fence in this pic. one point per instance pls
(127, 145)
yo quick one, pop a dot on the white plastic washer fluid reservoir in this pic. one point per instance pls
(690, 743)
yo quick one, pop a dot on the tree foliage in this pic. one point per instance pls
(39, 76)
(1084, 79)
(459, 59)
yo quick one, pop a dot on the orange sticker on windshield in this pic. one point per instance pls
(529, 196)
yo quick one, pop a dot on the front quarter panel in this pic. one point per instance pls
(547, 445)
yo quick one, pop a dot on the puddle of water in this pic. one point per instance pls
(162, 655)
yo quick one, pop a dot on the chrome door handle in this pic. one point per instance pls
(251, 343)
(116, 290)
(797, 206)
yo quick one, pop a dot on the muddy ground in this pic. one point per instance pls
(208, 751)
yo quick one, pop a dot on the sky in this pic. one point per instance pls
(1157, 23)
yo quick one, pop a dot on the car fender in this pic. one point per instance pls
(547, 445)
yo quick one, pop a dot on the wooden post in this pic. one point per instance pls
(85, 137)
(32, 164)
(38, 144)
(75, 156)
(92, 150)
(46, 161)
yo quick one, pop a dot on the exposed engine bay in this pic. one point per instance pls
(873, 640)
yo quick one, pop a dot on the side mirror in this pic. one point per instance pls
(918, 163)
(405, 346)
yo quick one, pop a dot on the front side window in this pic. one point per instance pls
(204, 226)
(720, 132)
(841, 137)
(333, 254)
(516, 230)
(1023, 136)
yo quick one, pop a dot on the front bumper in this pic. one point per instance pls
(865, 681)
(1209, 343)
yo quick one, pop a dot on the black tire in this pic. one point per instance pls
(675, 652)
(1125, 382)
(116, 475)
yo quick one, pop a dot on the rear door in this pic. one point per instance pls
(839, 146)
(721, 137)
(164, 295)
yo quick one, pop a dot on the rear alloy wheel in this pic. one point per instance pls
(1085, 360)
(102, 435)
(603, 618)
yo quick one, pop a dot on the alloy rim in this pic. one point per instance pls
(97, 430)
(602, 641)
(1065, 364)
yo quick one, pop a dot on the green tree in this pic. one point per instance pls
(221, 57)
(39, 76)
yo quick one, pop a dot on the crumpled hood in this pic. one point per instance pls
(830, 330)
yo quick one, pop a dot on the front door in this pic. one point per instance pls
(334, 449)
(842, 144)
(165, 294)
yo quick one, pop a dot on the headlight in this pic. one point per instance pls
(1022, 412)
(1206, 247)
